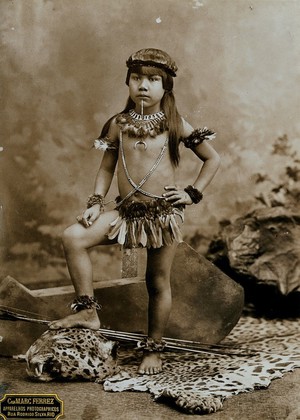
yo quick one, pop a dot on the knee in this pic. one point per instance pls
(158, 283)
(71, 237)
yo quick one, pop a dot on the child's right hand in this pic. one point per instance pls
(89, 216)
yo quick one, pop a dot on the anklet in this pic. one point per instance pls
(149, 344)
(84, 302)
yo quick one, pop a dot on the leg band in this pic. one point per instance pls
(149, 344)
(84, 302)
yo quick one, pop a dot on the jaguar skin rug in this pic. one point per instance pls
(199, 383)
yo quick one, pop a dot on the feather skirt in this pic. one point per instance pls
(147, 224)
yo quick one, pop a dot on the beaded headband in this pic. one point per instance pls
(152, 57)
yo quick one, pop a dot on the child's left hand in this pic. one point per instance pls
(177, 195)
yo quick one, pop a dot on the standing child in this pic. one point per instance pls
(144, 140)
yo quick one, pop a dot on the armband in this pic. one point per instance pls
(198, 136)
(196, 195)
(105, 144)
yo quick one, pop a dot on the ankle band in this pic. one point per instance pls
(149, 344)
(84, 302)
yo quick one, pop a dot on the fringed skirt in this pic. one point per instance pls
(147, 224)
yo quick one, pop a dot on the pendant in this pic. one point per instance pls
(140, 142)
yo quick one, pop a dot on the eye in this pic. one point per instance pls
(273, 229)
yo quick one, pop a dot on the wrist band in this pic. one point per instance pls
(95, 199)
(196, 195)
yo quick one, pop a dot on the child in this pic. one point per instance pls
(144, 140)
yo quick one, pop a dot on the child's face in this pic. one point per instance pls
(147, 88)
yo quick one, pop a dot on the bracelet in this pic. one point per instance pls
(95, 199)
(149, 344)
(196, 195)
(84, 302)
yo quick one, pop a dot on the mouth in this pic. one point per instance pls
(143, 96)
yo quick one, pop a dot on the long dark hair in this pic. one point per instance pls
(168, 105)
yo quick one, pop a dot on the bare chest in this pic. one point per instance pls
(147, 160)
(143, 154)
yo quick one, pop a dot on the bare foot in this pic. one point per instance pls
(87, 318)
(151, 363)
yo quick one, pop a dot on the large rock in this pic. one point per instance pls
(17, 336)
(261, 251)
(264, 245)
(206, 304)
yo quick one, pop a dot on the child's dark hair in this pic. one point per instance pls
(166, 68)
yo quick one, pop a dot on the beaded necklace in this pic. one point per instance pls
(142, 126)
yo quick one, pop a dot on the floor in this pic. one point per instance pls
(88, 401)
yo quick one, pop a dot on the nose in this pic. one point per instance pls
(143, 84)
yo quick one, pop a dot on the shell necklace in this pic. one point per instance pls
(142, 126)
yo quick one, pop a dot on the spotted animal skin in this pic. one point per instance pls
(199, 383)
(72, 354)
(193, 383)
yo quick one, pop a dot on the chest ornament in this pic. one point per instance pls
(142, 126)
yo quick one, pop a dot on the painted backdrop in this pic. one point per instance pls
(63, 75)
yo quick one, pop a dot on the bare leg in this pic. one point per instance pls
(76, 241)
(160, 301)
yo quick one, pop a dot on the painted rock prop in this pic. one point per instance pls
(17, 336)
(264, 245)
(261, 251)
(72, 354)
(207, 303)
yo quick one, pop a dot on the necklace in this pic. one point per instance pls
(142, 126)
(138, 187)
(147, 117)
